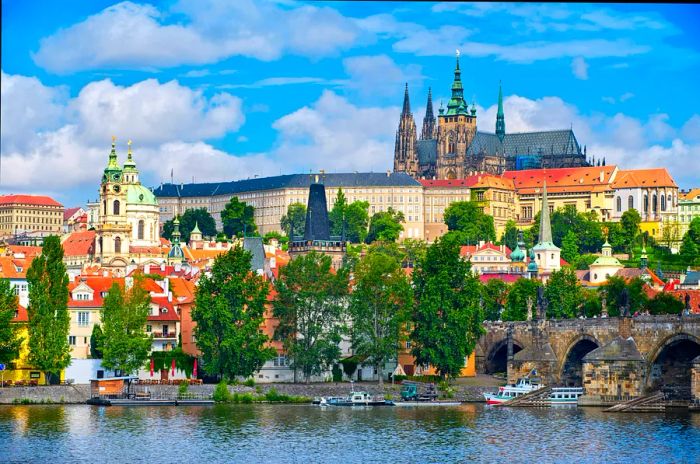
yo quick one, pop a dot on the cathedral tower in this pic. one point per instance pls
(456, 129)
(429, 130)
(405, 155)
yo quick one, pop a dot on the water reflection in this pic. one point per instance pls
(298, 433)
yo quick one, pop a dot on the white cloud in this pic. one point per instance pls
(379, 74)
(132, 36)
(691, 129)
(335, 135)
(580, 68)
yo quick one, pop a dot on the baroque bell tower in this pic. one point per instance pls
(456, 129)
(405, 153)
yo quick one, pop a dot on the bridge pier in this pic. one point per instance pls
(695, 380)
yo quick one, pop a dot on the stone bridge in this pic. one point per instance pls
(618, 357)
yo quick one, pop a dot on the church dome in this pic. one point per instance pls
(140, 195)
(518, 255)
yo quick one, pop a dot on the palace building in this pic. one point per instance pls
(452, 147)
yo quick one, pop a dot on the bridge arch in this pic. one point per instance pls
(571, 370)
(497, 355)
(670, 364)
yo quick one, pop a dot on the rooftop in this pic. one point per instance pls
(593, 178)
(34, 200)
(657, 177)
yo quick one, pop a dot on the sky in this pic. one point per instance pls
(213, 90)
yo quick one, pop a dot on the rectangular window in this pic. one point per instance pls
(71, 340)
(148, 328)
(83, 318)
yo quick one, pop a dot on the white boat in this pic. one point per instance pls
(565, 395)
(522, 386)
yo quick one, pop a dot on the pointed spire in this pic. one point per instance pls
(429, 105)
(500, 117)
(545, 224)
(457, 100)
(428, 130)
(113, 153)
(406, 102)
(129, 164)
(196, 228)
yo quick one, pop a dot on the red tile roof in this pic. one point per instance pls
(38, 200)
(22, 315)
(163, 303)
(10, 267)
(693, 194)
(28, 250)
(657, 177)
(505, 277)
(70, 212)
(562, 179)
(79, 243)
(694, 298)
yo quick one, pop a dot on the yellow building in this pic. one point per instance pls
(20, 371)
(437, 196)
(688, 209)
(496, 194)
(585, 188)
(30, 217)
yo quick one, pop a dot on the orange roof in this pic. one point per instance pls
(79, 243)
(22, 315)
(36, 200)
(169, 315)
(183, 290)
(656, 177)
(490, 181)
(694, 194)
(562, 179)
(28, 250)
(10, 267)
(147, 250)
(98, 284)
(70, 212)
(477, 180)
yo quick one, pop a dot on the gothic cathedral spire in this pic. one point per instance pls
(500, 117)
(405, 155)
(429, 129)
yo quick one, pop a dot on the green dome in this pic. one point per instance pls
(518, 255)
(176, 252)
(140, 195)
(532, 265)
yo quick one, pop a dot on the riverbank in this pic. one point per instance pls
(466, 390)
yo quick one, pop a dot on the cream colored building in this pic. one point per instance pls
(437, 196)
(34, 216)
(271, 196)
(688, 209)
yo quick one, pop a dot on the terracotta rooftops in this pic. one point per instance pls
(35, 200)
(563, 179)
(694, 194)
(79, 243)
(475, 181)
(631, 178)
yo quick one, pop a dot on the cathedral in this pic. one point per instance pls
(451, 147)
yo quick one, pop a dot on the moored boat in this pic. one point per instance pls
(506, 393)
(356, 398)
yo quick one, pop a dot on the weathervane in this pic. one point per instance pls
(457, 52)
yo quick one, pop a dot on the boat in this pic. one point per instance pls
(565, 395)
(355, 398)
(506, 393)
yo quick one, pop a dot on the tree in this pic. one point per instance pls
(294, 221)
(664, 303)
(694, 230)
(238, 219)
(569, 247)
(49, 321)
(447, 318)
(468, 218)
(356, 221)
(630, 221)
(689, 249)
(310, 305)
(563, 294)
(229, 310)
(337, 214)
(379, 307)
(96, 342)
(670, 233)
(274, 235)
(10, 341)
(583, 262)
(616, 236)
(385, 226)
(414, 251)
(510, 235)
(585, 226)
(493, 295)
(199, 217)
(521, 294)
(125, 344)
(613, 290)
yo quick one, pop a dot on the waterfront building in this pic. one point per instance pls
(654, 194)
(270, 196)
(584, 188)
(688, 209)
(453, 148)
(20, 371)
(27, 219)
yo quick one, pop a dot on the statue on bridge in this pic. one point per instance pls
(625, 302)
(686, 310)
(541, 304)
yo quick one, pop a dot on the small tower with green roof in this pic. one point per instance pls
(131, 174)
(176, 254)
(500, 117)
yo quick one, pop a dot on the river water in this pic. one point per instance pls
(310, 434)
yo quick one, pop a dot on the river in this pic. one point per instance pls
(310, 434)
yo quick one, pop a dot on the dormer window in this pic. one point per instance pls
(163, 310)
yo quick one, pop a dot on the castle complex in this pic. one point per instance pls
(451, 147)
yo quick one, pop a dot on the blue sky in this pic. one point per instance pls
(218, 90)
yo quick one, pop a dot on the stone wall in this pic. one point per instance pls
(52, 394)
(613, 379)
(695, 379)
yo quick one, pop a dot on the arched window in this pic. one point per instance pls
(451, 144)
(654, 203)
(663, 203)
(669, 202)
(104, 206)
(646, 203)
(141, 228)
(115, 207)
(619, 204)
(630, 202)
(117, 245)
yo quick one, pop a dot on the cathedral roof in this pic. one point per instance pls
(330, 180)
(526, 143)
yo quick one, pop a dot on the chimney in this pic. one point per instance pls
(105, 273)
(273, 263)
(388, 173)
(162, 266)
(147, 269)
(602, 175)
(481, 243)
(177, 267)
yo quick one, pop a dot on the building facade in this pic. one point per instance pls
(453, 148)
(30, 218)
(688, 209)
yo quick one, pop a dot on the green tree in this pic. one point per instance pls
(468, 218)
(494, 294)
(616, 236)
(510, 235)
(199, 217)
(447, 318)
(49, 321)
(689, 249)
(356, 221)
(521, 294)
(569, 247)
(694, 230)
(10, 341)
(96, 342)
(629, 222)
(294, 220)
(125, 344)
(337, 213)
(585, 226)
(563, 294)
(379, 307)
(591, 302)
(584, 261)
(238, 219)
(310, 305)
(385, 226)
(414, 251)
(664, 303)
(613, 290)
(229, 310)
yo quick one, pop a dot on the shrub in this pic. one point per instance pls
(249, 382)
(221, 393)
(337, 373)
(182, 389)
